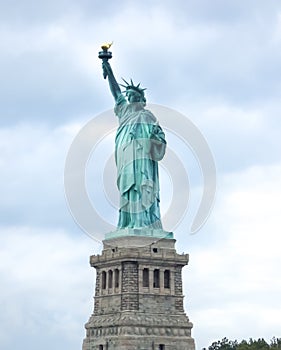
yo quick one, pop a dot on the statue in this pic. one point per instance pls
(139, 145)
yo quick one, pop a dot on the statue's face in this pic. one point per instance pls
(133, 96)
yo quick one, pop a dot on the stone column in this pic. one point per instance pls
(129, 298)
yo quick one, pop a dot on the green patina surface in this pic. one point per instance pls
(139, 232)
(139, 145)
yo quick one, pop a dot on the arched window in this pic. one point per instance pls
(103, 280)
(110, 275)
(167, 279)
(145, 277)
(156, 279)
(116, 278)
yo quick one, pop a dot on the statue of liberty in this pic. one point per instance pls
(139, 145)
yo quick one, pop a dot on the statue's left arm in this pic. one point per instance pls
(158, 143)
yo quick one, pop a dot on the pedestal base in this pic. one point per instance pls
(139, 331)
(138, 297)
(139, 232)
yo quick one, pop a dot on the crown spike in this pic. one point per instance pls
(132, 87)
(125, 81)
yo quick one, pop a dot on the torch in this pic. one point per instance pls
(105, 55)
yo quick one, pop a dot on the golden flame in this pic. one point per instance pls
(106, 46)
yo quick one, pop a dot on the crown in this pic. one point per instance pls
(133, 87)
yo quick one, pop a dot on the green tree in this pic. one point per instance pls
(275, 343)
(252, 344)
(223, 344)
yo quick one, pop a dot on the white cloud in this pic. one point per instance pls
(234, 283)
(47, 285)
(32, 162)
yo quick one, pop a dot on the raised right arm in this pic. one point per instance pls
(114, 86)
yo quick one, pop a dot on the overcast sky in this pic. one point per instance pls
(215, 61)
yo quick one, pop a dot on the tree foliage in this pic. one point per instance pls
(251, 344)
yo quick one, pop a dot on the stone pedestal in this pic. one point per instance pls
(138, 297)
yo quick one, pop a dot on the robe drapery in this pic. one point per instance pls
(139, 145)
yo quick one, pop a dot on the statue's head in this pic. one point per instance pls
(134, 93)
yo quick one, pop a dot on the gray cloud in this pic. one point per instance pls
(222, 52)
(30, 12)
(37, 291)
